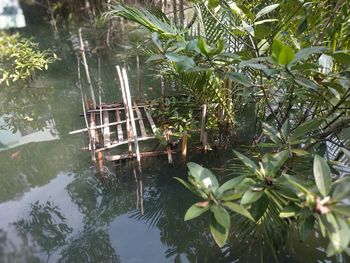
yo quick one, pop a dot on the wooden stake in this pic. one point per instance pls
(204, 114)
(184, 146)
(128, 130)
(88, 79)
(139, 92)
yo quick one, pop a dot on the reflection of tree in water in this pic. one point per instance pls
(101, 202)
(45, 226)
(91, 245)
(165, 203)
(24, 111)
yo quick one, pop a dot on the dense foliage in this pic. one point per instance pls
(20, 58)
(289, 59)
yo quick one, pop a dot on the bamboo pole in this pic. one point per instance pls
(184, 146)
(203, 117)
(133, 124)
(88, 78)
(128, 130)
(126, 95)
(139, 92)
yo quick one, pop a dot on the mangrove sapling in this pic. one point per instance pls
(317, 205)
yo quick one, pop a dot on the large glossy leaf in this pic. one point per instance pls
(203, 176)
(266, 10)
(342, 57)
(322, 174)
(305, 128)
(195, 211)
(229, 185)
(251, 196)
(218, 232)
(238, 209)
(282, 53)
(221, 216)
(239, 78)
(247, 162)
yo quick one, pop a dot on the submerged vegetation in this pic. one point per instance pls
(290, 60)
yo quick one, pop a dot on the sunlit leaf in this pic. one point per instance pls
(282, 53)
(266, 10)
(322, 174)
(195, 211)
(291, 210)
(251, 196)
(203, 176)
(247, 162)
(229, 185)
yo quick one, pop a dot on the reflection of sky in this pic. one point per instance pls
(11, 140)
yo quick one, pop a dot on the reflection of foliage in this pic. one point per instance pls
(90, 246)
(100, 203)
(20, 58)
(25, 111)
(45, 226)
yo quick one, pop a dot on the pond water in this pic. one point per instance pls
(54, 208)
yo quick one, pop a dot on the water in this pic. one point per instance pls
(53, 207)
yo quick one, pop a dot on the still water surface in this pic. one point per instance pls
(53, 207)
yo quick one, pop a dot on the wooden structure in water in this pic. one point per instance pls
(116, 125)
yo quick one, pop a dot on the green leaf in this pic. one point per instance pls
(218, 232)
(305, 128)
(183, 61)
(239, 78)
(251, 196)
(282, 53)
(203, 176)
(341, 189)
(346, 152)
(306, 52)
(247, 162)
(259, 208)
(342, 57)
(213, 4)
(272, 133)
(191, 188)
(203, 46)
(303, 26)
(279, 159)
(307, 83)
(155, 57)
(239, 210)
(342, 210)
(195, 211)
(229, 185)
(306, 227)
(260, 22)
(221, 216)
(266, 10)
(291, 210)
(322, 174)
